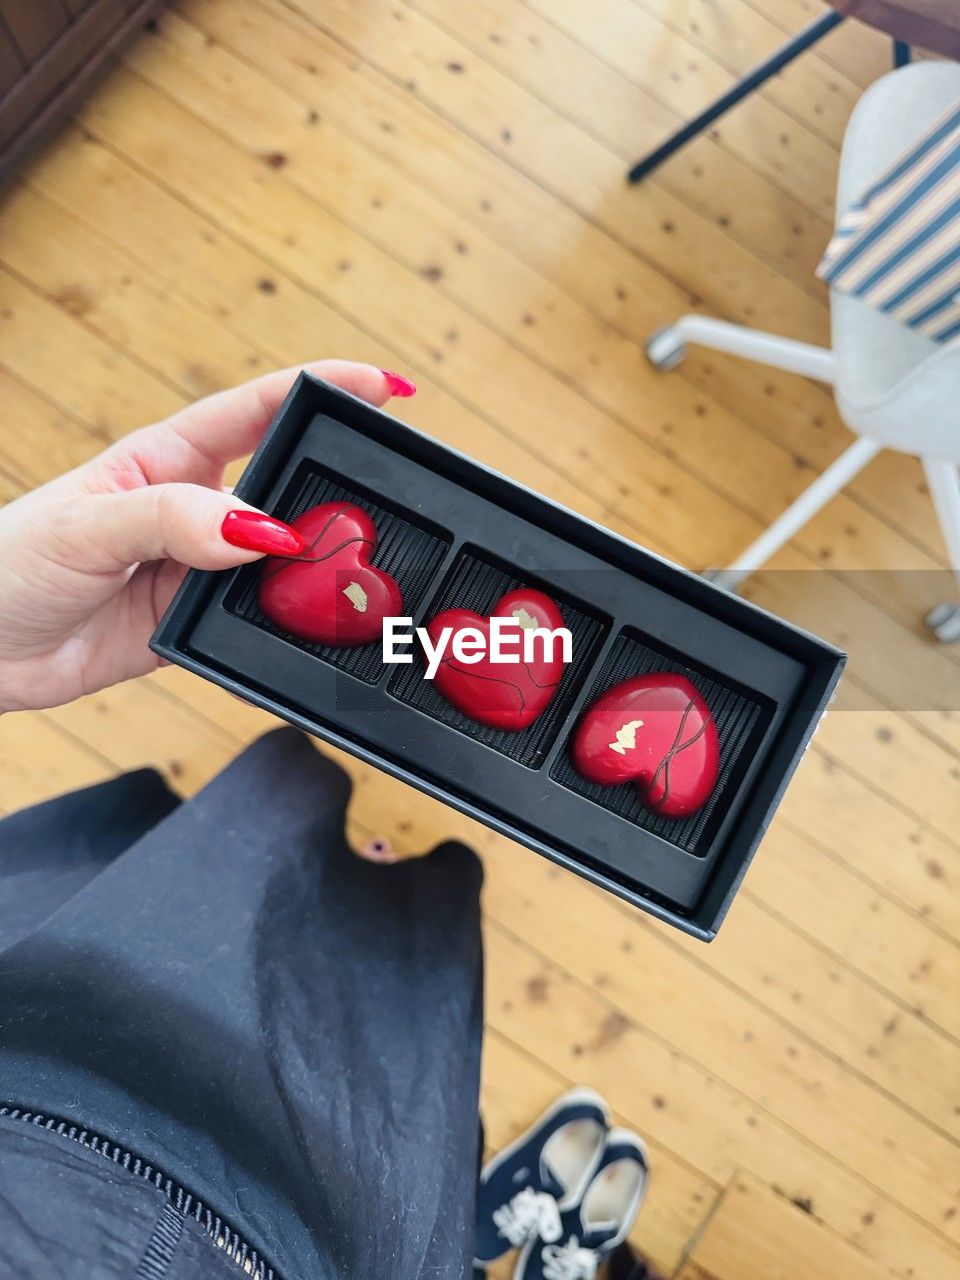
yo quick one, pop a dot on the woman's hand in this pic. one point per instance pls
(89, 562)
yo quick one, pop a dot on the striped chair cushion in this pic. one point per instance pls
(898, 246)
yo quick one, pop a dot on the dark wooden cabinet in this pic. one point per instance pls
(50, 51)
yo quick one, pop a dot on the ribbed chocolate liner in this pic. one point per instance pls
(476, 582)
(410, 552)
(739, 719)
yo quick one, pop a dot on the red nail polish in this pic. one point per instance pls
(398, 384)
(254, 531)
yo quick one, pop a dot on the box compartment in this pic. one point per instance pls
(408, 548)
(740, 718)
(477, 582)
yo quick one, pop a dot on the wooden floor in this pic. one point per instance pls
(437, 187)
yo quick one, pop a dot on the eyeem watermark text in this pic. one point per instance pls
(504, 641)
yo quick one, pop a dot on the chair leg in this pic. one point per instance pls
(667, 347)
(812, 500)
(943, 480)
(742, 89)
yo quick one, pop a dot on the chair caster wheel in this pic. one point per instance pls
(944, 621)
(664, 350)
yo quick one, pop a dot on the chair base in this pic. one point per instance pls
(666, 349)
(944, 621)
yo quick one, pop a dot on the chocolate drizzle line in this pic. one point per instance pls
(450, 662)
(306, 558)
(664, 765)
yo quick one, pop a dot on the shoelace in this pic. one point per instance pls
(529, 1213)
(569, 1261)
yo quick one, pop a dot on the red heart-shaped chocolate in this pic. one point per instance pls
(502, 695)
(331, 594)
(654, 730)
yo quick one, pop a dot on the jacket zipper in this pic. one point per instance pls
(178, 1197)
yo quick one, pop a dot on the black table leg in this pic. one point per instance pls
(776, 62)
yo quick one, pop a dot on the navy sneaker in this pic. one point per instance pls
(524, 1190)
(592, 1228)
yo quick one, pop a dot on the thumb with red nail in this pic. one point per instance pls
(89, 562)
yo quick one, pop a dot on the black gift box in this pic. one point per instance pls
(453, 532)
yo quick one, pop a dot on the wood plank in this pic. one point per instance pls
(589, 28)
(82, 274)
(733, 376)
(896, 853)
(66, 440)
(652, 48)
(869, 931)
(11, 485)
(557, 331)
(277, 48)
(690, 1271)
(571, 164)
(537, 50)
(524, 393)
(790, 975)
(276, 319)
(741, 35)
(36, 762)
(756, 1234)
(901, 760)
(98, 382)
(685, 79)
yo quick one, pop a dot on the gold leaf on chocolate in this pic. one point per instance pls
(526, 620)
(357, 596)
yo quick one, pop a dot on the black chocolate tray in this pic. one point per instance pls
(454, 533)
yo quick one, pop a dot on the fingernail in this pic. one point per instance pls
(378, 850)
(254, 531)
(398, 384)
